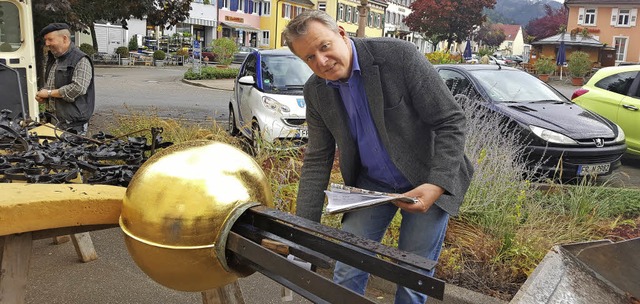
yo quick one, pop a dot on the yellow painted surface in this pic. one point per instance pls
(32, 207)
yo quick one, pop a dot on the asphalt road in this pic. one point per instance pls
(160, 90)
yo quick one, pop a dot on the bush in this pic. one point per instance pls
(224, 48)
(87, 49)
(211, 73)
(440, 57)
(123, 51)
(579, 64)
(133, 44)
(159, 55)
(545, 66)
(182, 52)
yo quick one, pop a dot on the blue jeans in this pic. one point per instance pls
(420, 233)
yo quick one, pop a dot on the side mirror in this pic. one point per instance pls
(247, 80)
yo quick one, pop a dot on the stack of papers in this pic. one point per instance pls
(343, 198)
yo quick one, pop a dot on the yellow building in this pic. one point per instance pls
(346, 13)
(276, 14)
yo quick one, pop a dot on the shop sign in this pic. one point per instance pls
(234, 19)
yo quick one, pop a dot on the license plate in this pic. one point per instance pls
(584, 170)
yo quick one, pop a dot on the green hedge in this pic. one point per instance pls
(211, 73)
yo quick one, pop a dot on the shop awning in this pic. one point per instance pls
(240, 26)
(198, 21)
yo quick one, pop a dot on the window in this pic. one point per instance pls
(621, 48)
(590, 16)
(299, 10)
(286, 10)
(618, 83)
(370, 20)
(322, 6)
(341, 12)
(241, 4)
(10, 38)
(265, 38)
(348, 14)
(457, 83)
(623, 16)
(356, 15)
(266, 8)
(226, 4)
(256, 7)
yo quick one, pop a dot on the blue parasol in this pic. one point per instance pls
(561, 57)
(467, 51)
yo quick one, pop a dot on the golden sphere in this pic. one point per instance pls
(180, 206)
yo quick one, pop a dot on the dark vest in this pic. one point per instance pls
(79, 111)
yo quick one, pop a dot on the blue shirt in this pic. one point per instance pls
(374, 158)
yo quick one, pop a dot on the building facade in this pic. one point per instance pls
(612, 22)
(394, 25)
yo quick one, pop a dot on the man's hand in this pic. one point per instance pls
(42, 95)
(427, 194)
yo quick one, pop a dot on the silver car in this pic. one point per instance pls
(267, 104)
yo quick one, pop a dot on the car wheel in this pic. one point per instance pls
(232, 127)
(256, 139)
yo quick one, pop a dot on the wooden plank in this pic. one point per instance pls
(229, 294)
(61, 239)
(14, 268)
(84, 247)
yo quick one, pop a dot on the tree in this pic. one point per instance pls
(447, 20)
(554, 22)
(491, 35)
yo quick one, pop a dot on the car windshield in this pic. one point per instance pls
(514, 86)
(284, 73)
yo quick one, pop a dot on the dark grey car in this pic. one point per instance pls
(561, 134)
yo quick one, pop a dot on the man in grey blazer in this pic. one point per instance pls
(397, 129)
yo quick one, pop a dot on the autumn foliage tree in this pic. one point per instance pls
(553, 22)
(491, 35)
(447, 20)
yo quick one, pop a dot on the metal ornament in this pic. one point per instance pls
(179, 208)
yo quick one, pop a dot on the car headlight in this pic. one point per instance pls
(552, 137)
(620, 137)
(274, 105)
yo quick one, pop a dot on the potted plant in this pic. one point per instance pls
(123, 52)
(158, 57)
(224, 48)
(544, 67)
(579, 66)
(181, 54)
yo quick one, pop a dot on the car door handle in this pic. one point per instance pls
(630, 107)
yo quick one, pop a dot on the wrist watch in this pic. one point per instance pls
(48, 93)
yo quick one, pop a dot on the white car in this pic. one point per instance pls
(494, 60)
(267, 104)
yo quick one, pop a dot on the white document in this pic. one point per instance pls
(343, 198)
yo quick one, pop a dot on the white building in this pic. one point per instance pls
(396, 11)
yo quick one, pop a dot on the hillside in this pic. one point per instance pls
(519, 11)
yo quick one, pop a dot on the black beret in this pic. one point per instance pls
(53, 27)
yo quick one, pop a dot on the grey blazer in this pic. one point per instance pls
(420, 125)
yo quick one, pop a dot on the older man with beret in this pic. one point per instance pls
(69, 90)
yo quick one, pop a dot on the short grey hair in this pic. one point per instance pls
(298, 26)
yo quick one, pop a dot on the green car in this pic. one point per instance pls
(614, 92)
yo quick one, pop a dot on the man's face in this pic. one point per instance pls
(326, 52)
(58, 44)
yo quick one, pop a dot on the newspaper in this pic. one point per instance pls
(343, 198)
